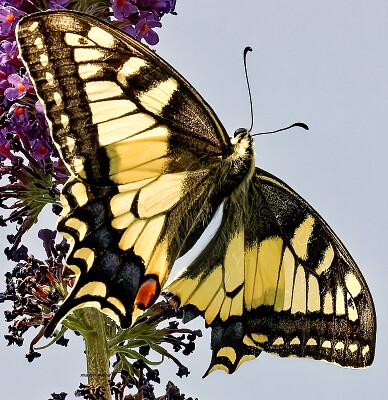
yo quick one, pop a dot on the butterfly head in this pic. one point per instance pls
(242, 142)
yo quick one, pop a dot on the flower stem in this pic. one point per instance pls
(97, 351)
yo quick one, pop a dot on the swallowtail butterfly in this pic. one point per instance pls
(151, 163)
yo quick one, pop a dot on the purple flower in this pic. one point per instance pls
(144, 29)
(21, 84)
(15, 3)
(58, 4)
(5, 70)
(161, 7)
(123, 8)
(9, 17)
(9, 51)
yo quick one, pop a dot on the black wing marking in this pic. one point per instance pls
(276, 278)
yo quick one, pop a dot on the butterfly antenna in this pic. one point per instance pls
(297, 124)
(249, 88)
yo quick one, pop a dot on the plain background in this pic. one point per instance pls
(321, 62)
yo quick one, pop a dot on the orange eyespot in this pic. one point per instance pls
(147, 293)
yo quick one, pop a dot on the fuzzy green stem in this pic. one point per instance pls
(97, 351)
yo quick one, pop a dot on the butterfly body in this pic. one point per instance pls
(150, 165)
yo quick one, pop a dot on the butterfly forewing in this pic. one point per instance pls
(140, 144)
(276, 278)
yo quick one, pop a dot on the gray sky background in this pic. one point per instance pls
(321, 62)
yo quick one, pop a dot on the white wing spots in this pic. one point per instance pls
(234, 263)
(64, 120)
(92, 289)
(326, 261)
(84, 55)
(109, 111)
(87, 255)
(215, 305)
(102, 37)
(167, 189)
(102, 90)
(57, 98)
(313, 294)
(50, 78)
(311, 342)
(79, 226)
(299, 294)
(301, 237)
(154, 100)
(339, 346)
(147, 240)
(207, 289)
(365, 350)
(118, 304)
(295, 341)
(268, 265)
(74, 40)
(39, 43)
(44, 59)
(122, 128)
(33, 26)
(278, 342)
(70, 143)
(353, 347)
(326, 344)
(225, 308)
(123, 221)
(88, 70)
(352, 284)
(328, 303)
(130, 68)
(340, 302)
(227, 352)
(78, 190)
(288, 265)
(78, 165)
(352, 310)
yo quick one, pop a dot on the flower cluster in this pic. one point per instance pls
(35, 287)
(140, 17)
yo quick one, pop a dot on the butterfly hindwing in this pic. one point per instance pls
(296, 292)
(140, 144)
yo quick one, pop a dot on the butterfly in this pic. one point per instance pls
(150, 165)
